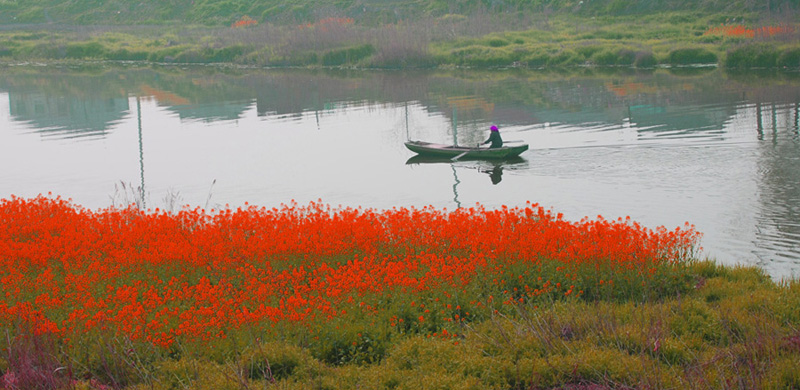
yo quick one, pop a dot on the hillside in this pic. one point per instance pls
(736, 34)
(225, 12)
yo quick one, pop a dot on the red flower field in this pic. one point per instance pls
(192, 275)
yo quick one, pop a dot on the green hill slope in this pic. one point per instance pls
(223, 12)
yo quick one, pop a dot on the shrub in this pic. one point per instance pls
(691, 56)
(483, 56)
(587, 51)
(604, 58)
(276, 361)
(350, 55)
(224, 54)
(189, 56)
(165, 55)
(755, 55)
(31, 14)
(568, 58)
(400, 56)
(85, 50)
(645, 60)
(497, 42)
(789, 58)
(126, 55)
(348, 343)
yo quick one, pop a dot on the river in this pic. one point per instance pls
(718, 150)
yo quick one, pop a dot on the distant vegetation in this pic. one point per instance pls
(397, 34)
(370, 12)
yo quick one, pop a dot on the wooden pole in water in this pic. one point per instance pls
(407, 136)
(141, 150)
(455, 125)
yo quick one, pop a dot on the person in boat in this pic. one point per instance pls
(494, 138)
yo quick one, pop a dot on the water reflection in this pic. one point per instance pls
(656, 104)
(715, 149)
(496, 174)
(492, 168)
(64, 116)
(779, 216)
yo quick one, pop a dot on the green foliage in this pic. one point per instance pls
(497, 42)
(168, 54)
(278, 361)
(347, 56)
(789, 58)
(609, 58)
(347, 343)
(224, 12)
(85, 50)
(451, 38)
(645, 60)
(756, 55)
(127, 55)
(224, 54)
(691, 56)
(721, 324)
(34, 14)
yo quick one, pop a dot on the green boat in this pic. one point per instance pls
(462, 152)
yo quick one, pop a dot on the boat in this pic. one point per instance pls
(456, 152)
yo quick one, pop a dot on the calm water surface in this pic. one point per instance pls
(717, 150)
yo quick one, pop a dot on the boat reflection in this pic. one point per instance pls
(493, 168)
(496, 173)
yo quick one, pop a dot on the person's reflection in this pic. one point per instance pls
(496, 174)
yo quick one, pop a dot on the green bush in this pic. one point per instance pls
(44, 50)
(483, 56)
(789, 58)
(85, 50)
(755, 55)
(691, 56)
(587, 50)
(536, 60)
(347, 344)
(277, 361)
(126, 55)
(645, 60)
(498, 42)
(604, 58)
(31, 14)
(350, 55)
(165, 55)
(224, 54)
(190, 56)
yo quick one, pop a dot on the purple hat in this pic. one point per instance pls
(493, 128)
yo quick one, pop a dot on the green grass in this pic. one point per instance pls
(732, 325)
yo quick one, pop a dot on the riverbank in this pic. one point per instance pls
(319, 297)
(488, 41)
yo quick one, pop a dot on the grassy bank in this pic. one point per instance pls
(320, 297)
(488, 40)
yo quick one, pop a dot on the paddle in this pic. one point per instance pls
(459, 156)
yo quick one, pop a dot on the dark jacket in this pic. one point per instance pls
(495, 139)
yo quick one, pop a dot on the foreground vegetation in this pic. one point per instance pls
(320, 297)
